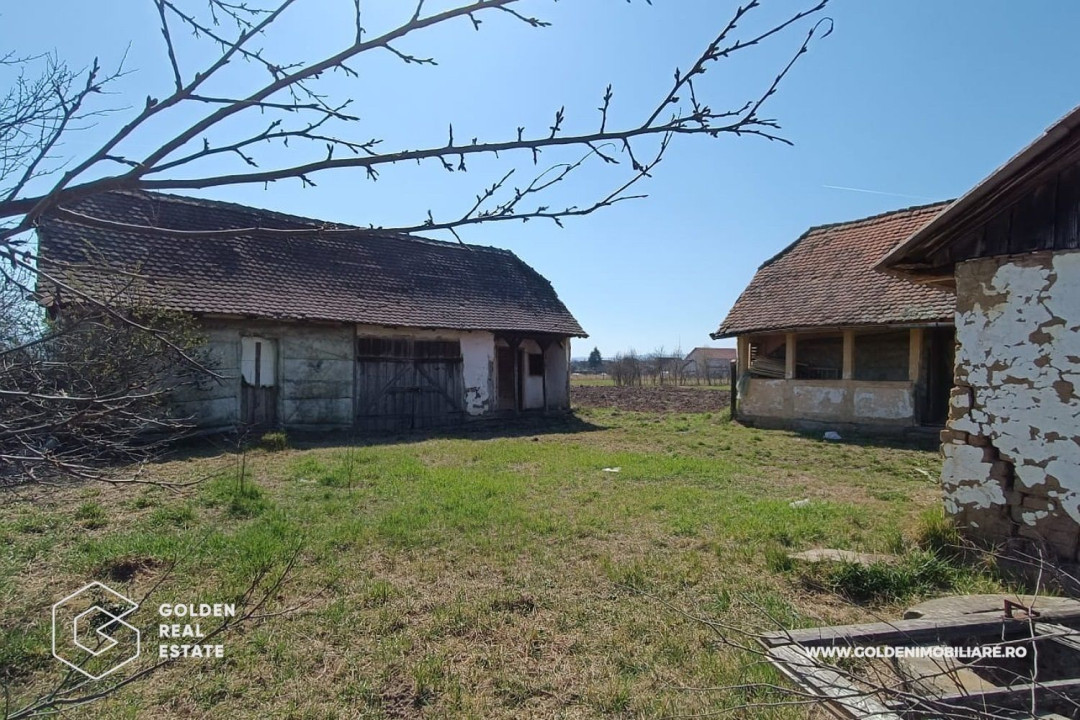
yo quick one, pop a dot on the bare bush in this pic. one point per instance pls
(627, 369)
(91, 387)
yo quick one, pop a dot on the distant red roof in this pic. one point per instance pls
(707, 353)
(826, 278)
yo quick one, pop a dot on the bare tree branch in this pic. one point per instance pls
(291, 90)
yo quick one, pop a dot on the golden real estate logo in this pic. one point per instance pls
(89, 633)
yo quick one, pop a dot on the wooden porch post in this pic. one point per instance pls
(515, 347)
(915, 348)
(789, 356)
(544, 345)
(849, 355)
(743, 353)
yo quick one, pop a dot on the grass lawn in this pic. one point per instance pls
(477, 577)
(591, 380)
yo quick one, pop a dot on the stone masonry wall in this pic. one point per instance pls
(1012, 444)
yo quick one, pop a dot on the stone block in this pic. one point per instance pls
(1041, 489)
(960, 391)
(1001, 470)
(1061, 541)
(953, 436)
(1033, 502)
(978, 440)
(982, 525)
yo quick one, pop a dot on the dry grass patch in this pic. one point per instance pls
(488, 578)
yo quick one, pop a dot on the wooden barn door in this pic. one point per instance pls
(404, 384)
(258, 383)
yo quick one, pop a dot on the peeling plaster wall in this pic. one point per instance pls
(314, 373)
(478, 366)
(316, 366)
(841, 401)
(1012, 446)
(216, 404)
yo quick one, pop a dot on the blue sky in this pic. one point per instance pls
(910, 101)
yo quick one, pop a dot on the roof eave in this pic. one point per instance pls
(903, 259)
(832, 327)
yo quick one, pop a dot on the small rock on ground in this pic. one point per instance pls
(848, 556)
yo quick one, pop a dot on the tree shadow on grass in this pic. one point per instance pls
(488, 429)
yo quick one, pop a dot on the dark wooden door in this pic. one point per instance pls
(421, 387)
(506, 377)
(258, 405)
(258, 383)
(940, 350)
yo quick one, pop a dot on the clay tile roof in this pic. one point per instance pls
(288, 267)
(826, 279)
(707, 353)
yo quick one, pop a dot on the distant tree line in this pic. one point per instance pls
(659, 367)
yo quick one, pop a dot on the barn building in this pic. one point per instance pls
(709, 364)
(1011, 249)
(825, 341)
(318, 325)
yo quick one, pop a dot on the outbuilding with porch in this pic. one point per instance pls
(824, 341)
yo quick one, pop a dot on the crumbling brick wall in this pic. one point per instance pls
(1012, 444)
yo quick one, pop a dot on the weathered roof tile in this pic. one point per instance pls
(321, 271)
(826, 279)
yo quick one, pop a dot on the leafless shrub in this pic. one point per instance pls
(90, 387)
(627, 369)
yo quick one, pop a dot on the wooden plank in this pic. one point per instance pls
(1067, 210)
(841, 696)
(915, 354)
(848, 371)
(1058, 633)
(1016, 697)
(1033, 220)
(733, 389)
(790, 343)
(910, 632)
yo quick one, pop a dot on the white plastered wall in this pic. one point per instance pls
(1015, 415)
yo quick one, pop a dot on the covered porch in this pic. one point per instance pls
(532, 372)
(876, 375)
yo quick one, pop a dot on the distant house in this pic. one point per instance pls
(825, 340)
(1011, 248)
(317, 325)
(711, 364)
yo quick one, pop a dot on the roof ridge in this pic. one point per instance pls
(852, 223)
(315, 222)
(881, 215)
